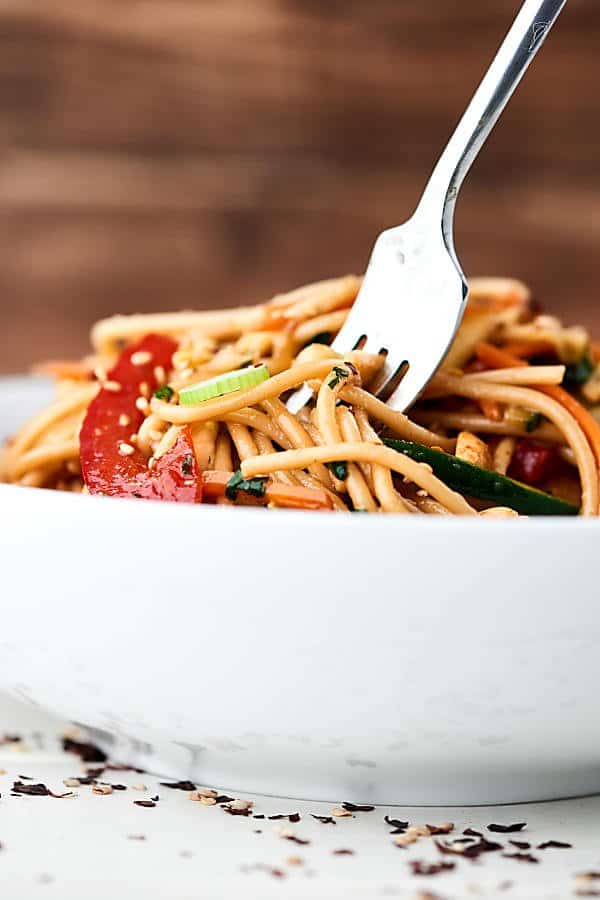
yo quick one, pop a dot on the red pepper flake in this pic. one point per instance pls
(446, 828)
(472, 851)
(521, 857)
(31, 790)
(560, 845)
(422, 868)
(84, 750)
(179, 785)
(147, 804)
(354, 807)
(507, 829)
(398, 826)
(303, 842)
(261, 867)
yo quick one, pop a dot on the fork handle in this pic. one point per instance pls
(526, 36)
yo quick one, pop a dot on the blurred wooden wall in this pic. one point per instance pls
(172, 153)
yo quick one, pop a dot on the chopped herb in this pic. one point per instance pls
(339, 469)
(164, 392)
(339, 374)
(254, 486)
(187, 464)
(578, 373)
(533, 422)
(323, 337)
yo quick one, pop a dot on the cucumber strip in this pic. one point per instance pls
(477, 482)
(223, 384)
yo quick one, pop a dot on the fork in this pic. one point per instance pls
(414, 292)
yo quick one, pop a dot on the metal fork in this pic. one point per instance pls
(414, 291)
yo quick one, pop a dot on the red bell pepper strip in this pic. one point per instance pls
(532, 462)
(113, 417)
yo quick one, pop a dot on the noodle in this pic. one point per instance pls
(122, 418)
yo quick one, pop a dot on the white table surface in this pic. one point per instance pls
(81, 847)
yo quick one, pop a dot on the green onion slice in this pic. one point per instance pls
(223, 384)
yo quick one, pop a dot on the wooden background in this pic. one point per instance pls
(166, 153)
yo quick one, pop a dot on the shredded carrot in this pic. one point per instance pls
(491, 410)
(287, 495)
(528, 348)
(498, 358)
(64, 368)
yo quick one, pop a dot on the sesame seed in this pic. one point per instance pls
(295, 861)
(101, 789)
(340, 813)
(142, 404)
(113, 386)
(144, 389)
(124, 420)
(160, 375)
(126, 449)
(71, 782)
(139, 787)
(242, 804)
(403, 840)
(208, 801)
(141, 358)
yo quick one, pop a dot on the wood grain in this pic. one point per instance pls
(168, 153)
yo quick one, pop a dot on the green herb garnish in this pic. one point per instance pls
(256, 487)
(339, 469)
(187, 464)
(534, 421)
(165, 392)
(579, 372)
(339, 374)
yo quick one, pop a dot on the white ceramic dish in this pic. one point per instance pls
(409, 661)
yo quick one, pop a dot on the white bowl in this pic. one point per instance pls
(377, 659)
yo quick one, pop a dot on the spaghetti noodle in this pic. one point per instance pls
(503, 429)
